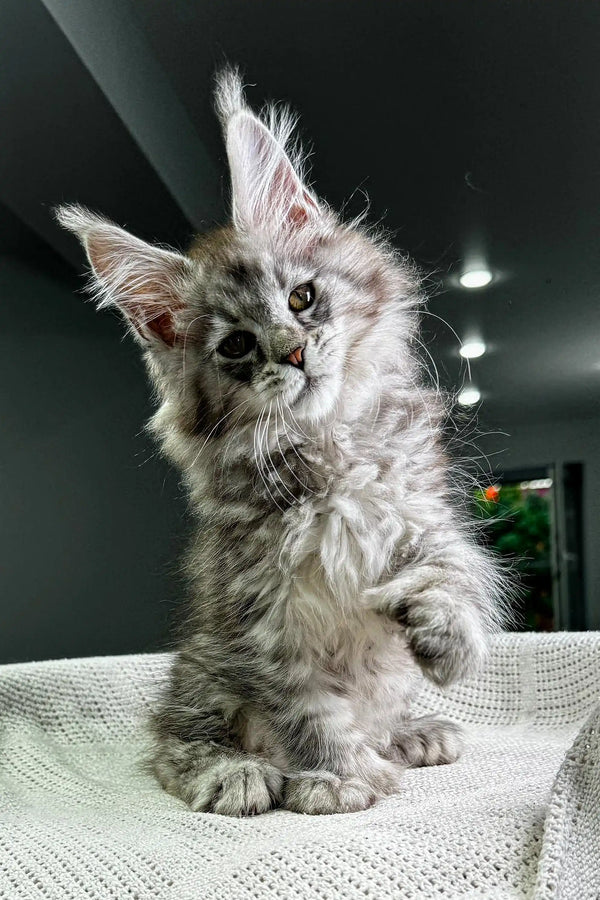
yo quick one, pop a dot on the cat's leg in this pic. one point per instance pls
(333, 768)
(426, 741)
(198, 756)
(449, 600)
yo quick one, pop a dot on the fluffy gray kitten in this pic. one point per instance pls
(329, 566)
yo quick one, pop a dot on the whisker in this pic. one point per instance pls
(273, 468)
(299, 480)
(292, 445)
(298, 428)
(258, 461)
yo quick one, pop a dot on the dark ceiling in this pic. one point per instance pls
(472, 126)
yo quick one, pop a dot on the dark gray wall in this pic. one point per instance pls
(91, 522)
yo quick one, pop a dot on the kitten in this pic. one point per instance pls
(329, 566)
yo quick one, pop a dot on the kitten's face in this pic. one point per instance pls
(268, 333)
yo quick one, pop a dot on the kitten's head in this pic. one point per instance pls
(284, 309)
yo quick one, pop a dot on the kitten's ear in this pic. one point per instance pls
(267, 190)
(144, 281)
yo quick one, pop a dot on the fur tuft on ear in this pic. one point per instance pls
(268, 192)
(144, 281)
(229, 94)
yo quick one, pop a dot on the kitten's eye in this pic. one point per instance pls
(237, 344)
(302, 297)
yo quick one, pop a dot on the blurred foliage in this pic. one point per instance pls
(518, 525)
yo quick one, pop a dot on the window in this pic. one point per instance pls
(533, 518)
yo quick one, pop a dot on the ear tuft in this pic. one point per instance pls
(78, 219)
(268, 192)
(229, 93)
(146, 282)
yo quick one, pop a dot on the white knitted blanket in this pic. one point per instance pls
(517, 816)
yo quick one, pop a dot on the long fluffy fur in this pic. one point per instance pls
(330, 567)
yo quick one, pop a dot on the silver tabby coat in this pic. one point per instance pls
(330, 566)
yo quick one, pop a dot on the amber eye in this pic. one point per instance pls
(237, 344)
(302, 297)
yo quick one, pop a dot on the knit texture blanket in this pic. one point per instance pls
(517, 817)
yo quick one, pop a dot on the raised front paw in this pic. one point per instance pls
(447, 640)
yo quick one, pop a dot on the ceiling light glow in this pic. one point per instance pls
(472, 349)
(476, 278)
(469, 396)
(538, 484)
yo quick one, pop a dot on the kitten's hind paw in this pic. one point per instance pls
(427, 741)
(323, 794)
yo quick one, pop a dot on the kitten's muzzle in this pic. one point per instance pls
(296, 358)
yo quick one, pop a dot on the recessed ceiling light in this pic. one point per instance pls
(538, 484)
(472, 349)
(476, 278)
(469, 396)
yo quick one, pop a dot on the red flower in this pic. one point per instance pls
(492, 493)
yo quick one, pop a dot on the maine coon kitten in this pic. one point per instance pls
(329, 567)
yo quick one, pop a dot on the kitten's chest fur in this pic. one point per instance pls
(317, 552)
(335, 546)
(340, 541)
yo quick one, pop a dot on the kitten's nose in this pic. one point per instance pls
(295, 358)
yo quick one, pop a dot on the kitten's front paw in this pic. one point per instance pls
(448, 644)
(235, 787)
(324, 794)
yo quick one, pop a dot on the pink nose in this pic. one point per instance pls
(295, 357)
